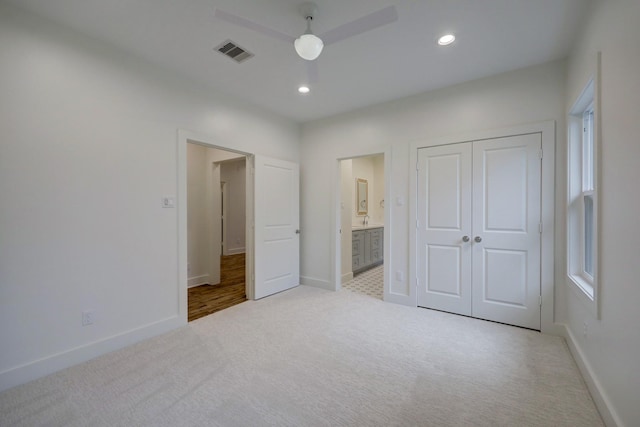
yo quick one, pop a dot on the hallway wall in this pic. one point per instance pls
(233, 173)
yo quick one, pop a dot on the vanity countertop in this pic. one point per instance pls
(365, 227)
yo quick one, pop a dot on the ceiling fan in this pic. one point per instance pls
(308, 45)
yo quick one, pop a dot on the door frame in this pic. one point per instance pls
(185, 137)
(547, 129)
(336, 220)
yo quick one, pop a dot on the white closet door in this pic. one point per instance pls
(506, 220)
(277, 238)
(444, 218)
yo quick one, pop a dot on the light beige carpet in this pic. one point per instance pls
(309, 357)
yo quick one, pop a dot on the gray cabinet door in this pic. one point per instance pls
(376, 237)
(367, 247)
(357, 250)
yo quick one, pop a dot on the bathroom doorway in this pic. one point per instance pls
(362, 225)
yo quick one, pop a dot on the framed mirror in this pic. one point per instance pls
(362, 196)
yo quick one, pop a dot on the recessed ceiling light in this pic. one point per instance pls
(447, 39)
(303, 89)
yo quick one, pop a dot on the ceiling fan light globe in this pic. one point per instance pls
(308, 46)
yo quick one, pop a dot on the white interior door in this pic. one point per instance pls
(277, 238)
(506, 220)
(444, 219)
(479, 229)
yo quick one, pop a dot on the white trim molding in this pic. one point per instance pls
(198, 280)
(56, 362)
(600, 398)
(316, 283)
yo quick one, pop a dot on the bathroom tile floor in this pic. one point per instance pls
(370, 282)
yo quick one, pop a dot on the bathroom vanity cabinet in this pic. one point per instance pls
(367, 248)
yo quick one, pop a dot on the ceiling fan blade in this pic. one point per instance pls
(312, 71)
(243, 22)
(361, 25)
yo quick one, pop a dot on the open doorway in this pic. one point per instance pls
(272, 222)
(362, 223)
(216, 229)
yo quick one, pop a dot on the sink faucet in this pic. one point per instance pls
(365, 220)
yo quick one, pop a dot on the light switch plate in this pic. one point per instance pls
(168, 202)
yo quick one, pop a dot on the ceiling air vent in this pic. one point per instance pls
(233, 51)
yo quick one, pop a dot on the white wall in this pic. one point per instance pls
(529, 95)
(376, 196)
(88, 148)
(198, 209)
(347, 187)
(370, 168)
(233, 174)
(610, 352)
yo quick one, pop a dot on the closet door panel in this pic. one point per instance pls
(444, 218)
(506, 221)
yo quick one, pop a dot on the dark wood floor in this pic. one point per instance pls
(205, 299)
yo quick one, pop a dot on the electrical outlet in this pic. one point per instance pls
(87, 318)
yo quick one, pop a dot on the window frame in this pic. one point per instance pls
(582, 184)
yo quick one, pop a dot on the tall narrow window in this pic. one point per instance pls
(582, 197)
(587, 193)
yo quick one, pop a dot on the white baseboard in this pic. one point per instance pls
(346, 277)
(317, 283)
(235, 251)
(53, 363)
(198, 280)
(607, 412)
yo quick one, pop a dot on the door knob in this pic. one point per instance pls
(298, 231)
(465, 238)
(478, 239)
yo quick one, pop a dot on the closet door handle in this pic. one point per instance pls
(478, 239)
(465, 239)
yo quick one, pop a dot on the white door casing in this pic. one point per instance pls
(489, 192)
(277, 238)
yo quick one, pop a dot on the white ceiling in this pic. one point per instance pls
(387, 63)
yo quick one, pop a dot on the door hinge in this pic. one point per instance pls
(417, 165)
(540, 227)
(417, 224)
(540, 153)
(540, 300)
